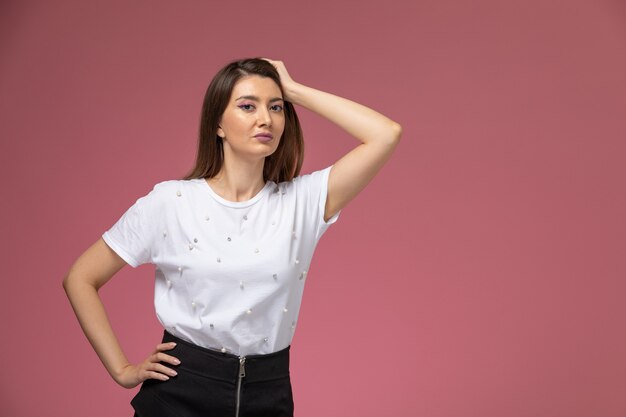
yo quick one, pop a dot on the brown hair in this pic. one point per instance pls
(284, 164)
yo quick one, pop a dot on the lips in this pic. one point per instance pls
(264, 137)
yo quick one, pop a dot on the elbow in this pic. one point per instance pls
(66, 283)
(396, 129)
(395, 132)
(69, 282)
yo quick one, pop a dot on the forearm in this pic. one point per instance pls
(93, 320)
(359, 121)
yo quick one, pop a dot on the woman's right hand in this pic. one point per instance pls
(132, 375)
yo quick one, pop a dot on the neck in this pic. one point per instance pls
(238, 180)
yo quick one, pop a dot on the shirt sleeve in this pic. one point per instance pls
(316, 186)
(132, 236)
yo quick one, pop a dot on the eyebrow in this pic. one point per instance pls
(255, 98)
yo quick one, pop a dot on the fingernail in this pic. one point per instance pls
(174, 373)
(173, 343)
(176, 361)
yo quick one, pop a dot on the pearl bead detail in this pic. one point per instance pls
(246, 233)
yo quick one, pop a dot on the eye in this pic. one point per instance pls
(245, 107)
(277, 107)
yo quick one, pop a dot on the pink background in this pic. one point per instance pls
(482, 273)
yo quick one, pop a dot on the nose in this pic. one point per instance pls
(264, 117)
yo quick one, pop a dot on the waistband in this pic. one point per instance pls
(225, 366)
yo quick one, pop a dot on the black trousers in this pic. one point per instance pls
(215, 384)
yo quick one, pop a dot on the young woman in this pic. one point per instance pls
(231, 243)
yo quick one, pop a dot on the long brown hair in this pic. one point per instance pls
(284, 164)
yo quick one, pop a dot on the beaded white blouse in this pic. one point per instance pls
(229, 275)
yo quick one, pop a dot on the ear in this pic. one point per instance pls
(220, 132)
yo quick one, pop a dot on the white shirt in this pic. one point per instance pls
(229, 275)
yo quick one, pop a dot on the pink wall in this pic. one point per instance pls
(481, 274)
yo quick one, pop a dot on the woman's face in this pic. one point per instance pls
(255, 109)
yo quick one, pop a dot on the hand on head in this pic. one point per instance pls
(285, 79)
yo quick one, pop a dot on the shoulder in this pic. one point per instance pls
(169, 187)
(168, 190)
(310, 180)
(311, 176)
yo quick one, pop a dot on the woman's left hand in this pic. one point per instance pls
(285, 79)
